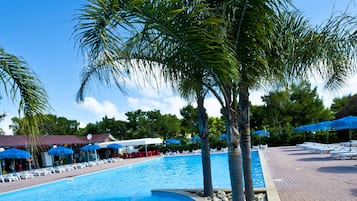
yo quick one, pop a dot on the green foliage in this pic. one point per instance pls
(151, 124)
(286, 109)
(345, 106)
(189, 122)
(47, 125)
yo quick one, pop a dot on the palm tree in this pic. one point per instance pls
(291, 48)
(19, 81)
(180, 38)
(162, 36)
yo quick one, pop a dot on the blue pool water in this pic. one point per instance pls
(135, 182)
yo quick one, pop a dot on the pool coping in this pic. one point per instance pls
(191, 194)
(270, 188)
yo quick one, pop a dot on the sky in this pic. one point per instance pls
(41, 31)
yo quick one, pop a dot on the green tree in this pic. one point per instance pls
(19, 81)
(289, 108)
(189, 121)
(263, 39)
(345, 106)
(280, 53)
(166, 32)
(47, 125)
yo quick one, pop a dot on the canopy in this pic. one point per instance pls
(60, 150)
(114, 146)
(349, 122)
(196, 139)
(172, 141)
(14, 153)
(261, 132)
(90, 147)
(344, 123)
(321, 126)
(133, 142)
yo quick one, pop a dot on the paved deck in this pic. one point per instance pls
(10, 186)
(300, 175)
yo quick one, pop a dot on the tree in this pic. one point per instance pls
(275, 49)
(345, 106)
(47, 125)
(169, 36)
(19, 81)
(189, 120)
(165, 34)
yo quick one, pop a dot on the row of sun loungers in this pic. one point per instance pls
(11, 177)
(336, 151)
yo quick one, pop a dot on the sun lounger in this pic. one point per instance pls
(10, 177)
(41, 172)
(25, 175)
(2, 179)
(348, 155)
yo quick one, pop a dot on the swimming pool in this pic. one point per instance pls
(135, 182)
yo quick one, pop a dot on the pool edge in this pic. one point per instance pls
(272, 193)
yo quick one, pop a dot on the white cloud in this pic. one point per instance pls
(213, 107)
(106, 108)
(168, 105)
(5, 123)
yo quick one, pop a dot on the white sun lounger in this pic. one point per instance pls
(25, 175)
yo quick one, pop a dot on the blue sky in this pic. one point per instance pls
(40, 32)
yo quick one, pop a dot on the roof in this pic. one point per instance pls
(20, 140)
(133, 142)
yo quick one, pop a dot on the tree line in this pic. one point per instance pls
(281, 112)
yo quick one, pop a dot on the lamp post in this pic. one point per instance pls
(89, 137)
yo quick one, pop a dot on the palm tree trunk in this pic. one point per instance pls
(206, 168)
(205, 148)
(244, 128)
(235, 157)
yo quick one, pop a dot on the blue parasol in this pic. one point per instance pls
(349, 122)
(114, 146)
(14, 153)
(60, 150)
(262, 132)
(173, 141)
(223, 136)
(90, 147)
(344, 123)
(196, 139)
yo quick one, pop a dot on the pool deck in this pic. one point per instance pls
(15, 185)
(300, 175)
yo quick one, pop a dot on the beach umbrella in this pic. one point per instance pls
(321, 126)
(196, 139)
(14, 153)
(223, 136)
(91, 147)
(261, 133)
(345, 123)
(173, 141)
(114, 146)
(60, 150)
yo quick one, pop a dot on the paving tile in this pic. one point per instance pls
(300, 175)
